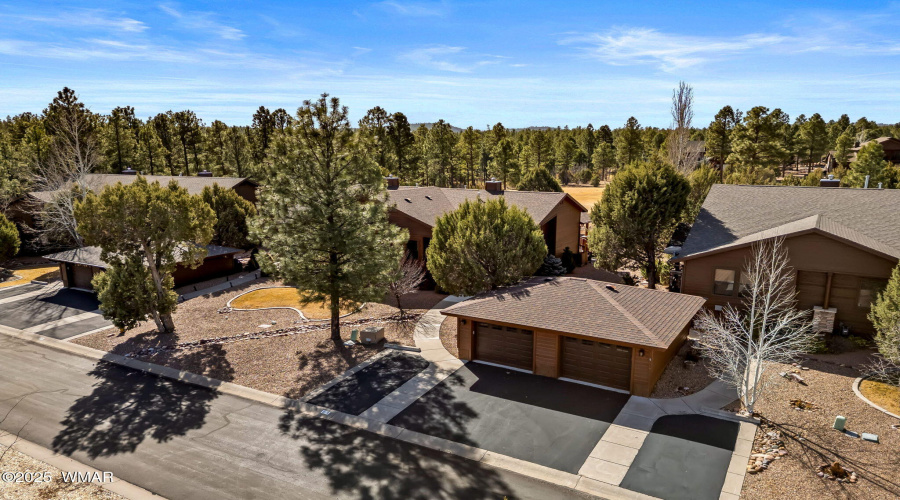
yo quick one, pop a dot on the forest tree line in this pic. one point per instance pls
(758, 146)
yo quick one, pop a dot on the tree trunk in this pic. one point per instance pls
(335, 318)
(164, 321)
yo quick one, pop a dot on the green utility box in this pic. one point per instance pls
(839, 422)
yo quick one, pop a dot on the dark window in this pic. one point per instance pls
(550, 235)
(724, 282)
(412, 249)
(425, 243)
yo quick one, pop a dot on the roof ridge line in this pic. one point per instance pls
(636, 322)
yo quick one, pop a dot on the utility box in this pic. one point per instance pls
(840, 422)
(372, 335)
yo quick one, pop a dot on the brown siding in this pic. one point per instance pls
(418, 230)
(211, 268)
(809, 253)
(246, 191)
(64, 274)
(568, 227)
(645, 370)
(546, 354)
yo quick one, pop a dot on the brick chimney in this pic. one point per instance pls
(493, 186)
(392, 182)
(204, 173)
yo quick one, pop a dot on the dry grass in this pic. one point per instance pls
(27, 274)
(884, 395)
(15, 461)
(448, 335)
(291, 365)
(284, 297)
(586, 195)
(811, 442)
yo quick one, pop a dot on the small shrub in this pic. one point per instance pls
(568, 260)
(552, 266)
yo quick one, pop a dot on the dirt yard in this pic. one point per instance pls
(290, 365)
(810, 440)
(52, 490)
(448, 335)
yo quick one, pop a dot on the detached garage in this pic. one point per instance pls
(587, 331)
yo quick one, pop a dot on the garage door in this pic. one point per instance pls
(504, 345)
(82, 276)
(596, 362)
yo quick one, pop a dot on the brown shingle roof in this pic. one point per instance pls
(426, 204)
(624, 314)
(734, 216)
(193, 184)
(90, 256)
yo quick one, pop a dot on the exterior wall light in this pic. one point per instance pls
(641, 353)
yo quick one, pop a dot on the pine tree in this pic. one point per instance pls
(232, 216)
(629, 143)
(484, 245)
(869, 162)
(143, 224)
(9, 239)
(323, 216)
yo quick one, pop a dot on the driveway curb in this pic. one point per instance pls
(485, 457)
(66, 464)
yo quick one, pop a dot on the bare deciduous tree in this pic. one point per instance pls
(408, 278)
(74, 153)
(683, 154)
(885, 366)
(742, 343)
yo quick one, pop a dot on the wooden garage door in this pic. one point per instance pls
(504, 345)
(596, 362)
(82, 276)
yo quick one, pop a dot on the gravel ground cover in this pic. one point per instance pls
(55, 489)
(811, 442)
(290, 365)
(448, 335)
(679, 379)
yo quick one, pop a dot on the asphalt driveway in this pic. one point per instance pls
(42, 312)
(683, 457)
(533, 418)
(356, 393)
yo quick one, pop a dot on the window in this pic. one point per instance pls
(724, 282)
(868, 290)
(745, 284)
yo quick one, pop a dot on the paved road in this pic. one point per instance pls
(182, 441)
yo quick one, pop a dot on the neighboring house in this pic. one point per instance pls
(418, 208)
(588, 331)
(79, 266)
(890, 145)
(22, 210)
(843, 244)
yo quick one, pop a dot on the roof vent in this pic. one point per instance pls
(205, 173)
(427, 197)
(407, 200)
(612, 288)
(129, 171)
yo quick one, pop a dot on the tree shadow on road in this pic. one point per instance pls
(369, 466)
(128, 406)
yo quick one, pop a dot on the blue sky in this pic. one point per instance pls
(471, 63)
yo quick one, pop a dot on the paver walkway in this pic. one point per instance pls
(442, 364)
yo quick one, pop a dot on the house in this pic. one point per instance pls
(418, 208)
(22, 210)
(890, 145)
(615, 336)
(78, 267)
(843, 244)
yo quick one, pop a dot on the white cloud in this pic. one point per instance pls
(634, 46)
(416, 9)
(86, 19)
(449, 58)
(201, 21)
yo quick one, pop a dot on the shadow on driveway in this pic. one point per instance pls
(533, 418)
(128, 406)
(683, 457)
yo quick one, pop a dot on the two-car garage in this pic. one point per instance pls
(575, 329)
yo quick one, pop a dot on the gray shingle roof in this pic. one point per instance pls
(734, 216)
(426, 204)
(193, 184)
(90, 256)
(624, 314)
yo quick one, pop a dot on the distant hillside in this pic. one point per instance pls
(414, 126)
